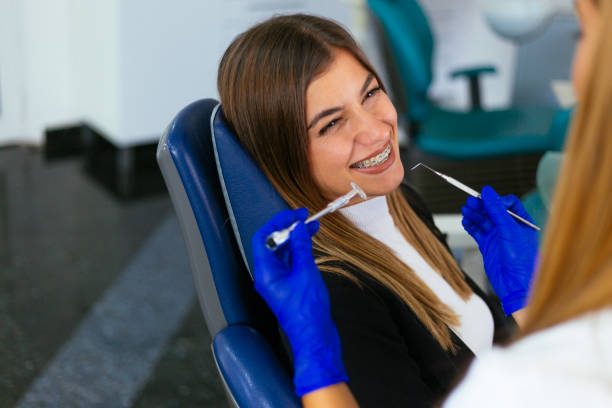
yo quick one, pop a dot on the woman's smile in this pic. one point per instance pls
(378, 164)
(376, 160)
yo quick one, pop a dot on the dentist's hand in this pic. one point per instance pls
(291, 284)
(508, 247)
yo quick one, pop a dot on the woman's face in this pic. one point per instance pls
(588, 18)
(352, 128)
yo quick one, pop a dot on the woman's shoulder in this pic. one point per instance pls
(566, 365)
(351, 279)
(349, 287)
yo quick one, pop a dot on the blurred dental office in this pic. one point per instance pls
(101, 303)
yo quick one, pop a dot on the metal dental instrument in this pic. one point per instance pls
(471, 192)
(278, 238)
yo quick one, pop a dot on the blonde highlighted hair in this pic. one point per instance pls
(262, 81)
(575, 272)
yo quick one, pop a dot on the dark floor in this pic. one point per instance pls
(63, 242)
(185, 376)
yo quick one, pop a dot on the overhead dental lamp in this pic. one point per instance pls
(518, 20)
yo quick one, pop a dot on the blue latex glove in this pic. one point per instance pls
(508, 247)
(291, 284)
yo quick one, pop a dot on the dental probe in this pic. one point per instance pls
(471, 192)
(277, 238)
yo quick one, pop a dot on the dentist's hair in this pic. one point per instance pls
(262, 81)
(575, 273)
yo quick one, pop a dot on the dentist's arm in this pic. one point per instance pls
(291, 284)
(333, 396)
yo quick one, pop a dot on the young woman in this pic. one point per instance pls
(563, 358)
(307, 105)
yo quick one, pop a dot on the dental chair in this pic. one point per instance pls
(455, 135)
(221, 198)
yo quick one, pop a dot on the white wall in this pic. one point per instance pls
(45, 65)
(11, 71)
(127, 67)
(167, 60)
(95, 35)
(170, 57)
(50, 92)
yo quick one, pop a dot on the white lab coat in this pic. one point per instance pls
(569, 365)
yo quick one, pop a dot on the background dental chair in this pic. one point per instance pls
(203, 165)
(501, 148)
(457, 135)
(538, 201)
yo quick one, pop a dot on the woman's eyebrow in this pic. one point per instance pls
(367, 82)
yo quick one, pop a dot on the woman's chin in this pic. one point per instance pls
(384, 186)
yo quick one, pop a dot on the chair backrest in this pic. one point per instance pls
(408, 33)
(250, 198)
(244, 331)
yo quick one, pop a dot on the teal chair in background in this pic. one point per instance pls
(538, 201)
(474, 134)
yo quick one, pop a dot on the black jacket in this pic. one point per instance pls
(391, 358)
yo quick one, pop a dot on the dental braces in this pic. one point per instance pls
(379, 159)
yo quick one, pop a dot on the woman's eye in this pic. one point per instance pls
(331, 124)
(372, 92)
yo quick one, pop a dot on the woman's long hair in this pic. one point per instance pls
(575, 273)
(262, 81)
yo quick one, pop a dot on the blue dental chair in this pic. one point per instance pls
(456, 135)
(207, 172)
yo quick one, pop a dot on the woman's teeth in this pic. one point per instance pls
(377, 160)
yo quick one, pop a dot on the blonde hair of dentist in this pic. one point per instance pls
(575, 273)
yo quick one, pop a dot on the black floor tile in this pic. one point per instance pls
(63, 240)
(185, 376)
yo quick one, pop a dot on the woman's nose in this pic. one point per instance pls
(371, 129)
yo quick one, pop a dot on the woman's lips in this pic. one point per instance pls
(372, 155)
(379, 168)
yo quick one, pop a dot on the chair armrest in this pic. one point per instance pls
(473, 75)
(250, 370)
(559, 128)
(547, 175)
(473, 72)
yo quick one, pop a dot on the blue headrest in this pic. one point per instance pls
(250, 198)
